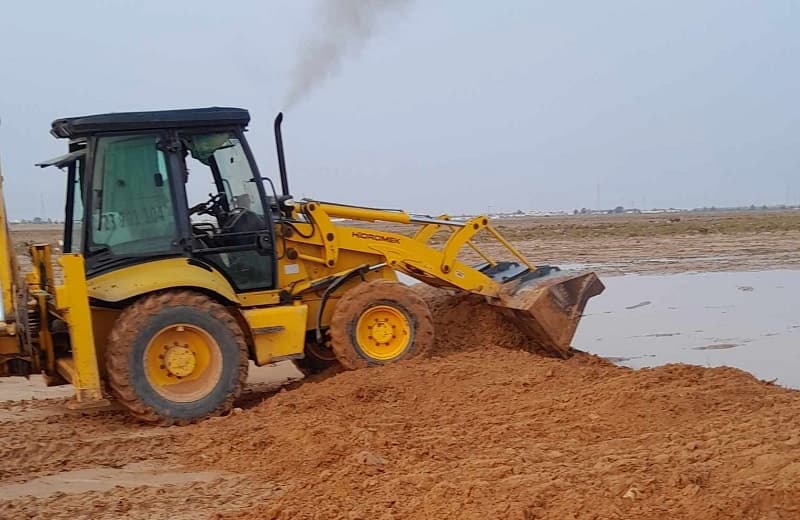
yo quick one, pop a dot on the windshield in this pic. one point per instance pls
(223, 151)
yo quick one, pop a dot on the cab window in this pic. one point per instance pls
(73, 238)
(226, 212)
(131, 202)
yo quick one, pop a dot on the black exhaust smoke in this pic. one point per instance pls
(341, 28)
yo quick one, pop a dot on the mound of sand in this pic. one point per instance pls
(465, 322)
(485, 429)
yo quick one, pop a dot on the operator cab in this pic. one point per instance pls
(176, 183)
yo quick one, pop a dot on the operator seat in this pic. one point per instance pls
(241, 228)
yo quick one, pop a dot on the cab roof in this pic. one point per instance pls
(72, 127)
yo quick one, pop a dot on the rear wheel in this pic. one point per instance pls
(176, 357)
(380, 322)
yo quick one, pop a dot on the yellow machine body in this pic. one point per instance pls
(58, 323)
(9, 346)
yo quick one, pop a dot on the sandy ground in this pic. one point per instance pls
(486, 428)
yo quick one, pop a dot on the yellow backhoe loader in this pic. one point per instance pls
(160, 300)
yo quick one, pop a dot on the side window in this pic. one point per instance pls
(76, 227)
(131, 201)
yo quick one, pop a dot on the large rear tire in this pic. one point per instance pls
(176, 357)
(380, 322)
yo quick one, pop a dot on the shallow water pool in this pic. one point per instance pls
(749, 320)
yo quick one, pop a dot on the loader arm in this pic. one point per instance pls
(546, 304)
(321, 241)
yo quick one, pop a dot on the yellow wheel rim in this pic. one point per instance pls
(183, 363)
(383, 332)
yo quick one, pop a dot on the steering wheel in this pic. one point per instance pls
(213, 206)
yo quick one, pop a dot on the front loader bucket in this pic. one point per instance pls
(548, 308)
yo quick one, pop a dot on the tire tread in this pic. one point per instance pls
(124, 332)
(352, 304)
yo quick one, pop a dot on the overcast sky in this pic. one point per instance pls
(452, 105)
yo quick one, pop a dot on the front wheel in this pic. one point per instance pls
(380, 322)
(176, 357)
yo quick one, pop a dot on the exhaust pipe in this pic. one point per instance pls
(281, 158)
